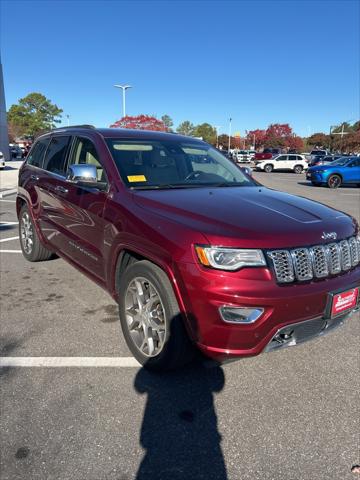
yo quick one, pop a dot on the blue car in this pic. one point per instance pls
(344, 171)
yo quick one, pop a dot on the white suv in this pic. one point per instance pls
(2, 160)
(296, 163)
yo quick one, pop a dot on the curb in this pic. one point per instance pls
(6, 193)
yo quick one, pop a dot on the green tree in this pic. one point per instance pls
(186, 128)
(318, 140)
(206, 132)
(167, 121)
(34, 114)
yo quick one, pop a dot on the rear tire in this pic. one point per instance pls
(268, 168)
(151, 320)
(31, 246)
(298, 169)
(334, 181)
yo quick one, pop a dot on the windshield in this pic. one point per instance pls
(172, 164)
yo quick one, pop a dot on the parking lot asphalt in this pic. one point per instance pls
(292, 414)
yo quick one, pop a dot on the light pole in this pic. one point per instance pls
(229, 134)
(68, 120)
(123, 88)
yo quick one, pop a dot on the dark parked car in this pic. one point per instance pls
(324, 160)
(195, 253)
(266, 154)
(344, 171)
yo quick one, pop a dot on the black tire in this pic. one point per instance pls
(268, 168)
(334, 181)
(36, 252)
(177, 349)
(298, 169)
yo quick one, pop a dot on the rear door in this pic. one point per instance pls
(50, 185)
(79, 218)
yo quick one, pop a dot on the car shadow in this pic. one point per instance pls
(179, 430)
(8, 167)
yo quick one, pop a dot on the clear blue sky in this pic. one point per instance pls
(259, 62)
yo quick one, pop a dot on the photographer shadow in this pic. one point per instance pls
(179, 430)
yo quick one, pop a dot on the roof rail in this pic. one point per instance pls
(74, 126)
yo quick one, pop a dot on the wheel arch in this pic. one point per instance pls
(126, 256)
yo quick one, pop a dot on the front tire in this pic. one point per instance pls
(31, 246)
(150, 318)
(334, 181)
(268, 168)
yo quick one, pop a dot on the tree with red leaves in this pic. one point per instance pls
(258, 136)
(295, 143)
(141, 122)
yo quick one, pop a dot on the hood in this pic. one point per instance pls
(321, 167)
(255, 217)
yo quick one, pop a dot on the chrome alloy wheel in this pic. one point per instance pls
(27, 233)
(145, 316)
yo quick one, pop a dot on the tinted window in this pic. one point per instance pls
(292, 157)
(282, 157)
(56, 155)
(36, 155)
(85, 153)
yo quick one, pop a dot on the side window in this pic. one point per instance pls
(293, 157)
(56, 155)
(37, 153)
(298, 157)
(282, 157)
(85, 152)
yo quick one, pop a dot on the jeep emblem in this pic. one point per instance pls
(329, 236)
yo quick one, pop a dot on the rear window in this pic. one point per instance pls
(37, 153)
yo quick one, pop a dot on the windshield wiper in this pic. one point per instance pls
(229, 184)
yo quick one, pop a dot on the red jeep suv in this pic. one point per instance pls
(194, 250)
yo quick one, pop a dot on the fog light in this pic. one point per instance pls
(240, 314)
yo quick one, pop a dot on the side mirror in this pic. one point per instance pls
(84, 175)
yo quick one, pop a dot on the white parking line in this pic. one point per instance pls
(8, 239)
(10, 251)
(68, 362)
(8, 223)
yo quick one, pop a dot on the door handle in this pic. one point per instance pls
(35, 177)
(61, 189)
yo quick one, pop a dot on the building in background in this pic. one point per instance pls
(4, 137)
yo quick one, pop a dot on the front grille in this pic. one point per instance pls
(319, 261)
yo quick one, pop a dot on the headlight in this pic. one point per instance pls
(230, 258)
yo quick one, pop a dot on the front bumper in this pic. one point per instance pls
(297, 333)
(204, 291)
(315, 177)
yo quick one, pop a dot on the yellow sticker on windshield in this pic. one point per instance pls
(136, 178)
